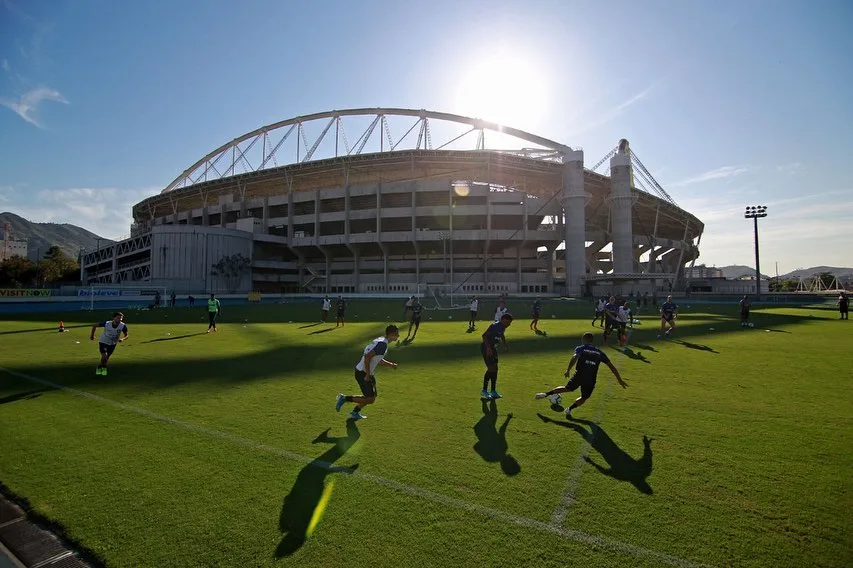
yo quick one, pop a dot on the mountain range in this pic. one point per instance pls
(42, 236)
(735, 271)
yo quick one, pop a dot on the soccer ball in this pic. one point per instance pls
(751, 324)
(555, 399)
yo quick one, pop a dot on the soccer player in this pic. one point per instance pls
(213, 310)
(373, 356)
(611, 318)
(668, 312)
(472, 319)
(327, 303)
(537, 310)
(843, 306)
(599, 311)
(489, 349)
(744, 311)
(408, 306)
(416, 309)
(500, 312)
(109, 339)
(588, 358)
(623, 316)
(342, 311)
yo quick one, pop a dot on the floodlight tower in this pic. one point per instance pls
(755, 212)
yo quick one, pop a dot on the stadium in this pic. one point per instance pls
(396, 201)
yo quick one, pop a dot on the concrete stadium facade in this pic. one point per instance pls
(392, 220)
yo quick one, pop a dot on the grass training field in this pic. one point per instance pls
(731, 446)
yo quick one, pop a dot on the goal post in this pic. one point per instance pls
(442, 297)
(118, 296)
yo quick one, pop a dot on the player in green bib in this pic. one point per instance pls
(213, 310)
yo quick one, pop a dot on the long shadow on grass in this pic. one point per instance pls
(621, 466)
(29, 395)
(303, 506)
(54, 329)
(174, 338)
(279, 357)
(491, 442)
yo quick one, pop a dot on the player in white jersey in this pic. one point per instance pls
(472, 320)
(373, 356)
(109, 339)
(499, 313)
(623, 316)
(327, 304)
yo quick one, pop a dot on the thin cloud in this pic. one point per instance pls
(724, 172)
(789, 169)
(27, 107)
(616, 111)
(4, 64)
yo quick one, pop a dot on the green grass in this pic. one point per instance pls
(748, 465)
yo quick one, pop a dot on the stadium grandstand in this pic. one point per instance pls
(390, 201)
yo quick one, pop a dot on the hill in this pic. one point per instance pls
(42, 236)
(845, 273)
(736, 271)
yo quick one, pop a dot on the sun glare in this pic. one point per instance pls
(504, 87)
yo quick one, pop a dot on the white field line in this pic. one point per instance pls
(570, 492)
(569, 534)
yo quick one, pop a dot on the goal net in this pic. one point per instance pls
(123, 296)
(442, 297)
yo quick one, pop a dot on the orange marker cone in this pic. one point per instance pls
(61, 327)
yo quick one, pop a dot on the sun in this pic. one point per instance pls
(505, 87)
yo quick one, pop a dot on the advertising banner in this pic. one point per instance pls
(98, 293)
(23, 293)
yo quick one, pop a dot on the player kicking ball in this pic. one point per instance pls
(373, 356)
(588, 357)
(109, 339)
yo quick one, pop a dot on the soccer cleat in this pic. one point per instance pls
(104, 371)
(357, 416)
(340, 402)
(541, 395)
(484, 393)
(98, 371)
(569, 413)
(494, 394)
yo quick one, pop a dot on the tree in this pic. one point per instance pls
(17, 272)
(57, 266)
(232, 269)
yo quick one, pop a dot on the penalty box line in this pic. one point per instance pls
(426, 494)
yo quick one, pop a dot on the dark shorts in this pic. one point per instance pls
(368, 388)
(489, 361)
(212, 316)
(609, 324)
(106, 348)
(744, 314)
(473, 314)
(341, 313)
(586, 385)
(536, 315)
(416, 320)
(667, 317)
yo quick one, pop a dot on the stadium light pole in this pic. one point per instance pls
(755, 212)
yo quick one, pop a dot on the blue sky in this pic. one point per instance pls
(728, 103)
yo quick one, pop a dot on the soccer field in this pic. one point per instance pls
(731, 446)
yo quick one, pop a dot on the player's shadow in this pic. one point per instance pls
(695, 346)
(29, 395)
(303, 503)
(621, 466)
(491, 442)
(636, 355)
(326, 330)
(174, 338)
(644, 347)
(309, 325)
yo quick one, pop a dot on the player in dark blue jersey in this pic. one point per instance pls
(744, 311)
(587, 357)
(341, 306)
(611, 318)
(489, 349)
(537, 311)
(416, 308)
(668, 313)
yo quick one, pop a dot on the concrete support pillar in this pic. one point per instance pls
(317, 204)
(114, 268)
(549, 264)
(266, 215)
(205, 216)
(574, 199)
(621, 204)
(518, 269)
(384, 250)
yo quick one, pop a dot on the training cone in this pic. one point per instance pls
(61, 327)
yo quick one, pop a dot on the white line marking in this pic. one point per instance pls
(425, 494)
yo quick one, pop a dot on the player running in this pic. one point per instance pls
(374, 355)
(214, 308)
(744, 311)
(109, 339)
(489, 349)
(611, 318)
(537, 310)
(588, 358)
(668, 313)
(416, 308)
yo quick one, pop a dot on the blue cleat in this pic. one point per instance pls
(340, 402)
(484, 393)
(356, 416)
(494, 394)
